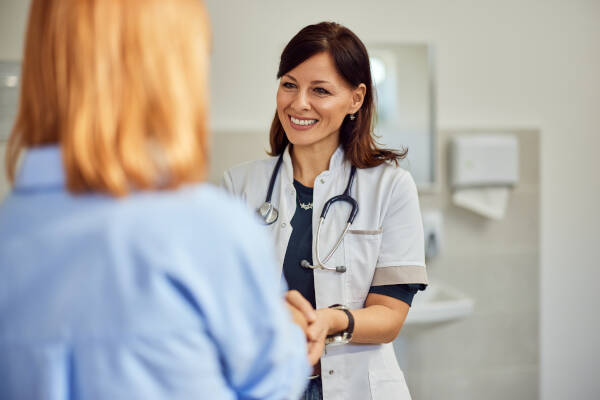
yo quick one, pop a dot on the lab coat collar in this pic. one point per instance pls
(336, 163)
(42, 169)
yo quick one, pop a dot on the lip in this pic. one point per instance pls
(301, 127)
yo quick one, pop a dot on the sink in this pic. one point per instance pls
(439, 303)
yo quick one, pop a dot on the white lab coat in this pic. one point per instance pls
(384, 246)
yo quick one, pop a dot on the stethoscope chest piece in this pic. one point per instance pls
(268, 213)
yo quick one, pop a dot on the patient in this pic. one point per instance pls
(122, 274)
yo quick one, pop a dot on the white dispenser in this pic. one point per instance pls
(484, 169)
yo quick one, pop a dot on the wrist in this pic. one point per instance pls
(344, 326)
(338, 321)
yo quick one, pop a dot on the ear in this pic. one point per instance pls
(358, 96)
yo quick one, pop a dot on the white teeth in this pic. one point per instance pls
(303, 121)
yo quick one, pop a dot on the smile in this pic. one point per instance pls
(299, 123)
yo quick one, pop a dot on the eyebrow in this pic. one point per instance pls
(312, 83)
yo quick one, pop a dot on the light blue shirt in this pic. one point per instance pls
(159, 295)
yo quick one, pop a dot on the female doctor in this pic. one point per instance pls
(361, 264)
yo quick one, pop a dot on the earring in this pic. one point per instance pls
(352, 117)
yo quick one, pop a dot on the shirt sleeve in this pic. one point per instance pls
(262, 352)
(402, 254)
(405, 292)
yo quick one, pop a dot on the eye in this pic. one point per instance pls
(288, 85)
(321, 91)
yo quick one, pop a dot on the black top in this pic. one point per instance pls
(300, 248)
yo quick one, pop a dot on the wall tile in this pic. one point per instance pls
(493, 353)
(499, 284)
(515, 383)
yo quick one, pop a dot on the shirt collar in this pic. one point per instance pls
(42, 168)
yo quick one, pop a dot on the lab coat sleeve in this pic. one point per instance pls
(402, 255)
(227, 182)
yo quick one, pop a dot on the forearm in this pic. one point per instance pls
(377, 324)
(373, 324)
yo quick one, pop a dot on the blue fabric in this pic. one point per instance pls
(314, 391)
(157, 295)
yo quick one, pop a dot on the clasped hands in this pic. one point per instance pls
(316, 324)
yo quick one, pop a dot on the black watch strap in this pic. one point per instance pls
(350, 329)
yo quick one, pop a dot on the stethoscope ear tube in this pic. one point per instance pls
(305, 264)
(344, 197)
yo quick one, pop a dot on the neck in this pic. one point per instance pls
(308, 162)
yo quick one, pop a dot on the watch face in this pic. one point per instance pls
(341, 338)
(336, 341)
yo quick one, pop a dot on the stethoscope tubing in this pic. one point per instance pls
(270, 214)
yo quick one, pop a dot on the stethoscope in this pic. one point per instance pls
(269, 215)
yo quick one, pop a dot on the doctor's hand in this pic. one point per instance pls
(305, 316)
(317, 332)
(301, 310)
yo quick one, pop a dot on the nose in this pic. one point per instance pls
(301, 101)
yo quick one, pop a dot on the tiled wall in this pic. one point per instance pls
(493, 353)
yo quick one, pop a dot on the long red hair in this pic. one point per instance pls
(121, 86)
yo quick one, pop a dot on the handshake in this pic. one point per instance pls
(315, 323)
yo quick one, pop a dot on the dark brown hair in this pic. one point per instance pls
(352, 62)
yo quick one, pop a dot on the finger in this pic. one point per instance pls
(295, 299)
(315, 351)
(298, 318)
(316, 331)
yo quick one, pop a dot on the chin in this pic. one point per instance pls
(299, 139)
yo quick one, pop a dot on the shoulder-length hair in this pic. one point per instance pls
(121, 87)
(352, 62)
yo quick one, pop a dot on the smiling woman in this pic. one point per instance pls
(326, 66)
(313, 100)
(322, 142)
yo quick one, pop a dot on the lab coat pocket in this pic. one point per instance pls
(385, 385)
(361, 249)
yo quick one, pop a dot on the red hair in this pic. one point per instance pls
(121, 86)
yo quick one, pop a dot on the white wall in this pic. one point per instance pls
(509, 63)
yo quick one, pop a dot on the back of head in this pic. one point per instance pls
(121, 87)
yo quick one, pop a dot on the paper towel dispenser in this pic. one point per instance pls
(484, 160)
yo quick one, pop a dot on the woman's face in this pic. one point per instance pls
(313, 100)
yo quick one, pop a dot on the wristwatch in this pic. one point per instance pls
(344, 336)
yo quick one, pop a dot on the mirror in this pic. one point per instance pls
(403, 78)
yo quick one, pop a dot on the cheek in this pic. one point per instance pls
(282, 101)
(335, 111)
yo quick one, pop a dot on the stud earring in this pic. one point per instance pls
(352, 117)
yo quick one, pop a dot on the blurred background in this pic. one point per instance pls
(499, 106)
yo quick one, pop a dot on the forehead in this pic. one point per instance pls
(319, 67)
